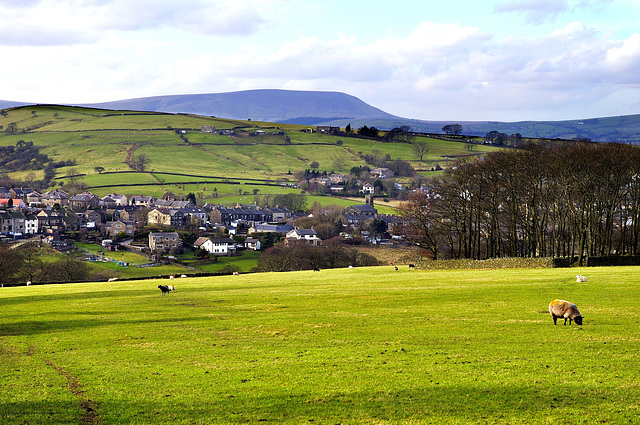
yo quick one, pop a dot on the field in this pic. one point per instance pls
(103, 138)
(361, 346)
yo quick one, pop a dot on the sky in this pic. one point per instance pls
(454, 60)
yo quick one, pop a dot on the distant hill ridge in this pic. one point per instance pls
(339, 109)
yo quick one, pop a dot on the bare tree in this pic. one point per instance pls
(421, 149)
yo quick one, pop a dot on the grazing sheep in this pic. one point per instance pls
(28, 283)
(236, 274)
(562, 308)
(350, 267)
(315, 269)
(112, 279)
(171, 288)
(184, 275)
(412, 266)
(164, 289)
(171, 277)
(580, 278)
(395, 268)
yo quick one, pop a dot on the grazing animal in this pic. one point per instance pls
(562, 308)
(412, 266)
(236, 274)
(350, 267)
(171, 288)
(395, 268)
(580, 278)
(164, 289)
(112, 279)
(171, 276)
(28, 283)
(184, 275)
(315, 269)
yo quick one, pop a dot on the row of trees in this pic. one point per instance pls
(302, 256)
(575, 199)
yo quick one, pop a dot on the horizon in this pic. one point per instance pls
(499, 60)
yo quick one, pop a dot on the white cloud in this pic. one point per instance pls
(534, 11)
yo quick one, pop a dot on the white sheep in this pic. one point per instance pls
(112, 279)
(184, 275)
(566, 310)
(28, 283)
(171, 276)
(580, 278)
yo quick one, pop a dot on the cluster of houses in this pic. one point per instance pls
(25, 213)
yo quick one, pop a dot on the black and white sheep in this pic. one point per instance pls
(566, 310)
(164, 288)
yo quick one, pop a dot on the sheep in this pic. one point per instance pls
(170, 277)
(184, 275)
(164, 289)
(412, 266)
(112, 279)
(350, 267)
(580, 278)
(395, 268)
(28, 283)
(562, 308)
(236, 274)
(315, 269)
(171, 288)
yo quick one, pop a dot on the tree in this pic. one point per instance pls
(452, 129)
(10, 263)
(98, 169)
(347, 129)
(421, 149)
(12, 128)
(314, 165)
(140, 162)
(191, 197)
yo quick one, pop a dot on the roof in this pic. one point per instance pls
(201, 240)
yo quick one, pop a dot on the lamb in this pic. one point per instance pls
(171, 288)
(580, 278)
(112, 279)
(164, 289)
(562, 308)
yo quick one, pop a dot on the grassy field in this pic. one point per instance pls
(361, 346)
(106, 138)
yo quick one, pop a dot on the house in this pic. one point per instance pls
(327, 129)
(367, 189)
(164, 241)
(120, 200)
(83, 201)
(6, 203)
(270, 228)
(382, 173)
(34, 198)
(278, 214)
(246, 214)
(6, 223)
(4, 193)
(339, 178)
(195, 216)
(49, 222)
(19, 192)
(141, 200)
(55, 197)
(308, 235)
(216, 246)
(114, 228)
(93, 216)
(30, 224)
(165, 217)
(252, 244)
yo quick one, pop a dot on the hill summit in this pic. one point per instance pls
(282, 106)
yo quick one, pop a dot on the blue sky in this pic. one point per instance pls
(502, 60)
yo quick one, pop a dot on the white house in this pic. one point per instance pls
(217, 246)
(368, 189)
(252, 244)
(307, 235)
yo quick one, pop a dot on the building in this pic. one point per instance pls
(55, 197)
(308, 235)
(216, 246)
(83, 201)
(114, 228)
(164, 241)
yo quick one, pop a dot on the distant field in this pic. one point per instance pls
(361, 346)
(102, 138)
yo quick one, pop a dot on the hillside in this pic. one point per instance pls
(256, 158)
(282, 106)
(339, 109)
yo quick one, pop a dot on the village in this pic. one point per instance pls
(117, 222)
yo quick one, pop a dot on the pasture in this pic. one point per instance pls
(360, 346)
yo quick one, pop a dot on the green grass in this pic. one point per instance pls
(361, 346)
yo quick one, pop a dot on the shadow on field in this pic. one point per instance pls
(41, 412)
(35, 327)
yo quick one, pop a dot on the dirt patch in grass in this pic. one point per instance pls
(90, 415)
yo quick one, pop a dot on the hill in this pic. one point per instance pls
(281, 106)
(339, 109)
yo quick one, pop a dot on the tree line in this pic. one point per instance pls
(547, 200)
